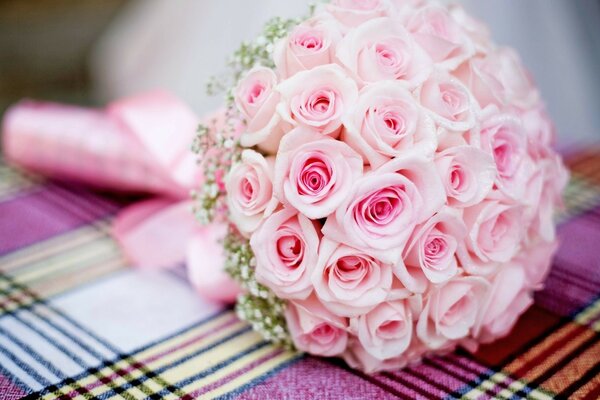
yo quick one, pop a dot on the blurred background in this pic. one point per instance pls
(89, 52)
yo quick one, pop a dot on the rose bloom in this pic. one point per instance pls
(386, 331)
(315, 173)
(381, 49)
(495, 233)
(357, 357)
(256, 98)
(508, 298)
(285, 247)
(541, 133)
(352, 13)
(317, 98)
(430, 255)
(536, 261)
(403, 9)
(310, 44)
(441, 36)
(449, 102)
(451, 311)
(468, 174)
(554, 179)
(385, 205)
(387, 122)
(499, 78)
(503, 136)
(314, 329)
(250, 191)
(349, 281)
(475, 29)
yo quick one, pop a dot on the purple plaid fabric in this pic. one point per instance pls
(76, 322)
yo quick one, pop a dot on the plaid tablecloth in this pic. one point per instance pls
(77, 322)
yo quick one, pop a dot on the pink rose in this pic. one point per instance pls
(310, 44)
(503, 136)
(315, 173)
(352, 13)
(250, 191)
(451, 311)
(536, 261)
(495, 234)
(357, 357)
(499, 78)
(314, 329)
(386, 331)
(256, 99)
(317, 98)
(349, 281)
(285, 247)
(387, 122)
(468, 174)
(441, 36)
(382, 49)
(478, 75)
(475, 29)
(541, 133)
(385, 205)
(508, 298)
(517, 82)
(449, 102)
(403, 9)
(553, 179)
(431, 250)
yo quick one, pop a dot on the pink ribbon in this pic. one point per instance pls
(139, 144)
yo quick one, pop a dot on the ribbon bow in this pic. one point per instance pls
(139, 144)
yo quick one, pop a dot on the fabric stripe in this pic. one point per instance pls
(60, 347)
(146, 360)
(242, 389)
(35, 355)
(101, 259)
(222, 358)
(15, 181)
(30, 371)
(553, 350)
(424, 387)
(398, 392)
(579, 196)
(226, 378)
(78, 383)
(448, 370)
(254, 375)
(51, 247)
(130, 383)
(562, 344)
(250, 350)
(54, 323)
(555, 369)
(46, 213)
(441, 380)
(577, 366)
(61, 263)
(587, 387)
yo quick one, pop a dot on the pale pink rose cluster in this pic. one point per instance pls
(398, 183)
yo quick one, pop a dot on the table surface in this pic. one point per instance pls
(77, 322)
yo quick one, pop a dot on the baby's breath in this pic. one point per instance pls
(250, 54)
(258, 306)
(218, 149)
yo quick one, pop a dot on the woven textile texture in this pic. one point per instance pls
(77, 322)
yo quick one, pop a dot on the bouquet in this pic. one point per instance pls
(388, 182)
